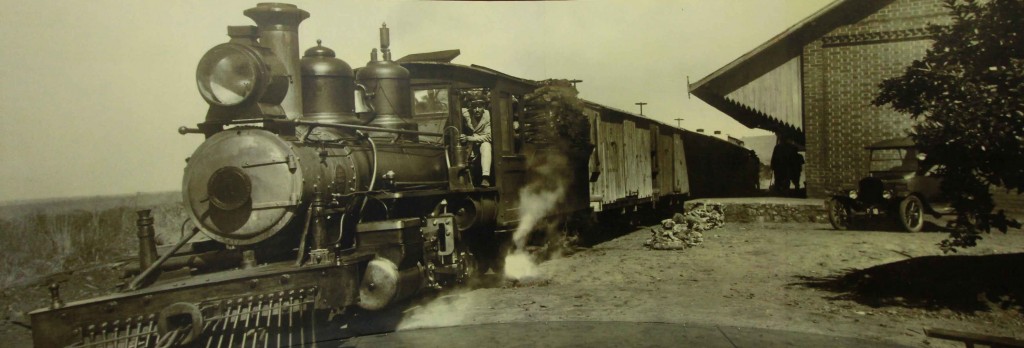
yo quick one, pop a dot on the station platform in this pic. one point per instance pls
(765, 209)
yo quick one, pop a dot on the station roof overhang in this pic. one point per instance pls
(715, 88)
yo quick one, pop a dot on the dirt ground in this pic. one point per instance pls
(799, 277)
(880, 285)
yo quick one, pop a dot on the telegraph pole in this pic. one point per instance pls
(679, 123)
(641, 107)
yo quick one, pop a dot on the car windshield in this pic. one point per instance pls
(893, 160)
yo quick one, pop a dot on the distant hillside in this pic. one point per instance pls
(13, 209)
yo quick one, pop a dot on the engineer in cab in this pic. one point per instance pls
(477, 122)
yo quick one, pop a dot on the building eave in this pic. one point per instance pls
(773, 53)
(787, 44)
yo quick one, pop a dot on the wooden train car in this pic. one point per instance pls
(719, 168)
(642, 163)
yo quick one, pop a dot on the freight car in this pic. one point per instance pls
(320, 188)
(640, 163)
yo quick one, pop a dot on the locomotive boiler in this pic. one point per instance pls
(313, 192)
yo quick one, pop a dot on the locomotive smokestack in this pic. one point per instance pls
(279, 30)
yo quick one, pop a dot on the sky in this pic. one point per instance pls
(93, 91)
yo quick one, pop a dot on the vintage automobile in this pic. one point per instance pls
(896, 186)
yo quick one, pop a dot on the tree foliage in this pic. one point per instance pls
(967, 96)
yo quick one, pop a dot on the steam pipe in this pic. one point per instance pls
(305, 235)
(279, 30)
(373, 175)
(135, 282)
(319, 228)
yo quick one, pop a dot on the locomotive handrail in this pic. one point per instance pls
(362, 128)
(186, 130)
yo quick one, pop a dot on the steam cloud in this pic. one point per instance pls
(550, 177)
(448, 310)
(537, 199)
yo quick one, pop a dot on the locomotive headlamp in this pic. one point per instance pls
(887, 194)
(227, 75)
(234, 74)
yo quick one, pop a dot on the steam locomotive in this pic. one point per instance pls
(320, 188)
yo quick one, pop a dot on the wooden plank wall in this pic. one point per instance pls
(681, 182)
(610, 185)
(644, 154)
(646, 184)
(637, 170)
(624, 156)
(654, 153)
(776, 93)
(665, 168)
(596, 164)
(631, 162)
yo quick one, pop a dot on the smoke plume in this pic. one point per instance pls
(537, 199)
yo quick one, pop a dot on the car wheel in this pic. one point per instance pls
(912, 214)
(839, 214)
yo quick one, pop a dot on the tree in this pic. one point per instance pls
(967, 96)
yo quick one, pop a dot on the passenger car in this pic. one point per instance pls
(897, 186)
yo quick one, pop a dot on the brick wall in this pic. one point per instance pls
(841, 73)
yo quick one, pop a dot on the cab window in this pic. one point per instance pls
(430, 108)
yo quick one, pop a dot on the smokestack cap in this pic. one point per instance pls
(283, 16)
(243, 32)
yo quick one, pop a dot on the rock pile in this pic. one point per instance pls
(685, 230)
